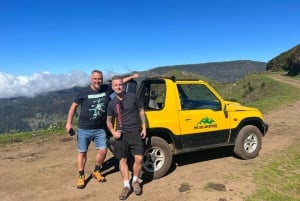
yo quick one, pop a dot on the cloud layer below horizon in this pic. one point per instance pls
(15, 86)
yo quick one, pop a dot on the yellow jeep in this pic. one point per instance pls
(189, 115)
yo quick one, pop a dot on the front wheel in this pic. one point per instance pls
(248, 142)
(157, 159)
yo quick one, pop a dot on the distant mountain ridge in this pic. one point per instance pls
(33, 113)
(50, 109)
(229, 71)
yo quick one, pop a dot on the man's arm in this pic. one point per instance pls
(143, 120)
(109, 124)
(70, 116)
(130, 77)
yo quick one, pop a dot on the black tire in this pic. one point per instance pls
(157, 159)
(248, 142)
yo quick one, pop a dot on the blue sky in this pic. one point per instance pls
(57, 43)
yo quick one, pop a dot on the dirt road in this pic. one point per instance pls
(45, 169)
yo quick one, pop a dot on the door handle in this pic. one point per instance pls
(188, 118)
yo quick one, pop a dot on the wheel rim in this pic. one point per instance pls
(154, 159)
(250, 143)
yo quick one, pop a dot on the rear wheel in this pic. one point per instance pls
(248, 142)
(157, 159)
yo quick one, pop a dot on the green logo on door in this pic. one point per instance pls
(206, 123)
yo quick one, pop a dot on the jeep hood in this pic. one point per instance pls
(235, 106)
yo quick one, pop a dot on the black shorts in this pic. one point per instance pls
(130, 143)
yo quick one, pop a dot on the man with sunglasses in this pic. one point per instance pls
(93, 102)
(126, 111)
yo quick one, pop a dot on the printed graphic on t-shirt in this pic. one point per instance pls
(119, 114)
(98, 106)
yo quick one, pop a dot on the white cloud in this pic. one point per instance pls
(15, 86)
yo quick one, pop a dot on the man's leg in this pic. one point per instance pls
(83, 141)
(81, 160)
(100, 143)
(137, 168)
(100, 157)
(124, 169)
(125, 176)
(137, 150)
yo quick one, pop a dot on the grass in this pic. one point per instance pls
(215, 186)
(260, 91)
(184, 187)
(297, 77)
(280, 178)
(6, 139)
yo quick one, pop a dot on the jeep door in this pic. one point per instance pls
(202, 120)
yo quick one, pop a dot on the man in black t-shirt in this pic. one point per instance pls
(93, 102)
(130, 120)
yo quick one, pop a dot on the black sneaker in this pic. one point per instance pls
(125, 193)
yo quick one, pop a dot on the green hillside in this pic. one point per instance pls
(288, 61)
